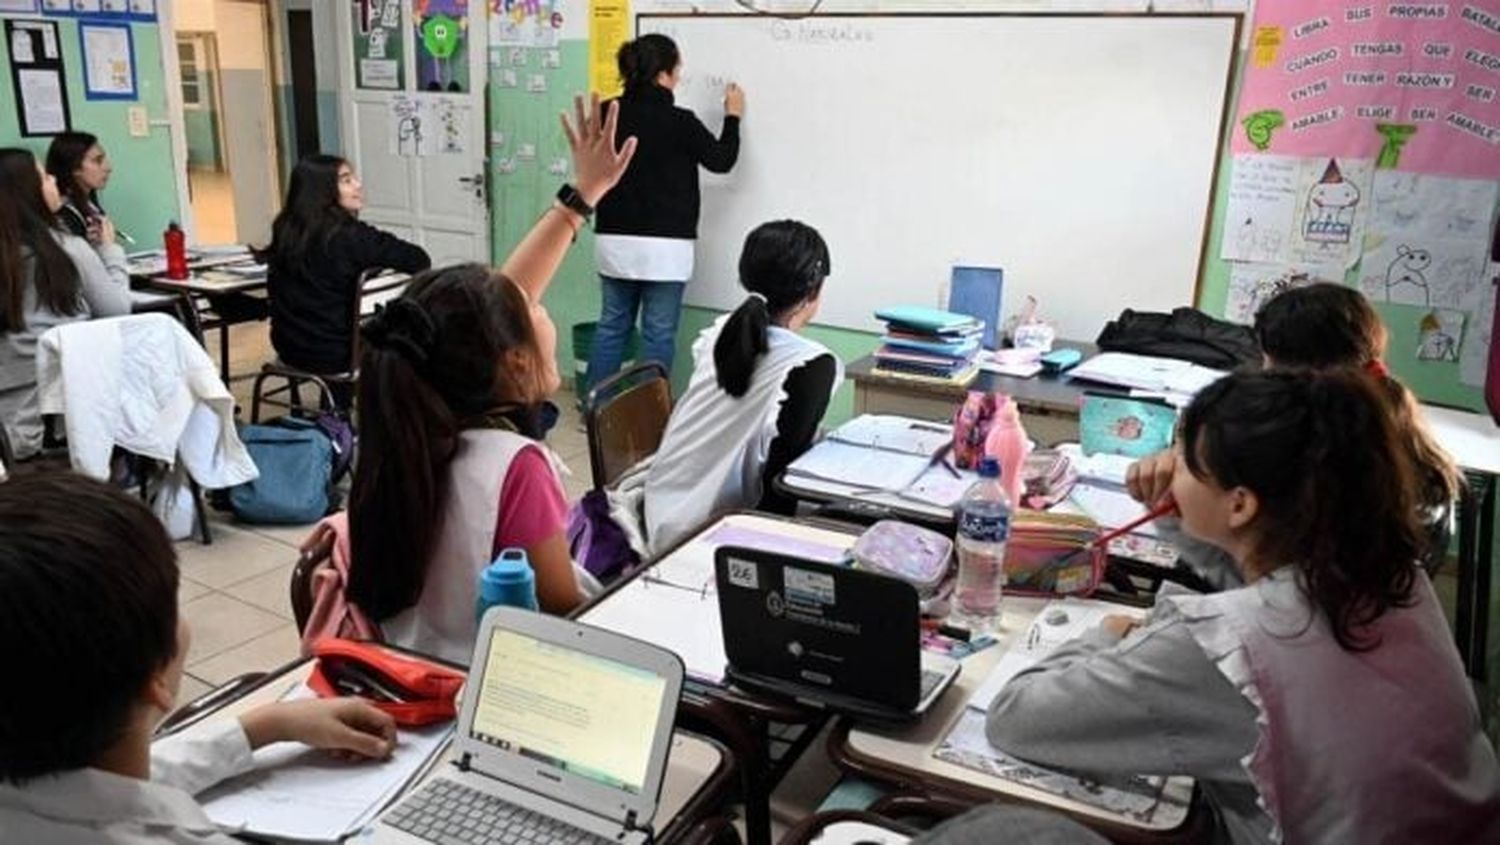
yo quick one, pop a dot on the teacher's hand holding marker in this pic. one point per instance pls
(734, 100)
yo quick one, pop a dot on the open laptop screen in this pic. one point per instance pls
(580, 713)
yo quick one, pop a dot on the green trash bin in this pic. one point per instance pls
(583, 346)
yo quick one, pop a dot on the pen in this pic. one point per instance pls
(941, 457)
(947, 630)
(124, 236)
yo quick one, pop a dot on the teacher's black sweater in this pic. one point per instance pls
(658, 195)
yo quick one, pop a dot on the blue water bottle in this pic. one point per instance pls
(509, 581)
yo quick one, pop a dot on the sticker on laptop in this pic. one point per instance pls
(806, 587)
(744, 573)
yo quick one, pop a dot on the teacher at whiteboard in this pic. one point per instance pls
(647, 226)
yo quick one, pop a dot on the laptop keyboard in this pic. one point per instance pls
(450, 813)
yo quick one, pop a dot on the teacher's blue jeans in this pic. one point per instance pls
(660, 306)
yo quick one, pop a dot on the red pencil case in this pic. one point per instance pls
(412, 690)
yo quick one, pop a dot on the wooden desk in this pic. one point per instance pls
(1048, 403)
(232, 299)
(699, 770)
(902, 756)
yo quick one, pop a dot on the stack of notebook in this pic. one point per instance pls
(928, 344)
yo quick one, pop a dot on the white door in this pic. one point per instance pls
(419, 151)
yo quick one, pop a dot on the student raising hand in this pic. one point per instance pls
(597, 163)
(345, 726)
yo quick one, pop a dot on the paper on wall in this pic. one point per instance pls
(1262, 202)
(42, 100)
(1417, 270)
(20, 47)
(446, 127)
(1473, 355)
(406, 126)
(1419, 205)
(1333, 202)
(108, 62)
(1439, 333)
(1253, 285)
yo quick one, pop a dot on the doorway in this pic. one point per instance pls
(227, 83)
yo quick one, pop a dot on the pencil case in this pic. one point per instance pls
(919, 556)
(413, 691)
(1052, 554)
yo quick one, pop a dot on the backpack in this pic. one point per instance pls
(596, 541)
(296, 459)
(1186, 334)
(332, 615)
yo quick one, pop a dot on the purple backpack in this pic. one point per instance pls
(595, 541)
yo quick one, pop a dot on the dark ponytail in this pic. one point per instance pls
(1323, 454)
(782, 265)
(430, 368)
(643, 59)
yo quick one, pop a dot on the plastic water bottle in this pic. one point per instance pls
(508, 581)
(983, 528)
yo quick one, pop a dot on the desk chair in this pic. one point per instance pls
(313, 555)
(375, 285)
(626, 416)
(211, 700)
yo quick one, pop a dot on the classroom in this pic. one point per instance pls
(750, 421)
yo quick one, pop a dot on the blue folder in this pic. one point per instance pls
(975, 291)
(924, 318)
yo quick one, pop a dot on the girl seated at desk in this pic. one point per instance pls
(48, 277)
(89, 617)
(1323, 701)
(756, 396)
(78, 162)
(453, 393)
(318, 250)
(1324, 326)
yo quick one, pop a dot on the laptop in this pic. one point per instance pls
(563, 737)
(831, 636)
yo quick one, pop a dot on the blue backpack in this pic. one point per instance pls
(297, 459)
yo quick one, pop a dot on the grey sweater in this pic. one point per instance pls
(104, 291)
(1150, 704)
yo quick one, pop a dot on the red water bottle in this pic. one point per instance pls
(176, 242)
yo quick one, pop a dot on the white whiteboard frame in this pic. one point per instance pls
(1226, 99)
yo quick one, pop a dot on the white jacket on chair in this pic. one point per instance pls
(141, 383)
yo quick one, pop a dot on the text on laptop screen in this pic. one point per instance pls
(586, 715)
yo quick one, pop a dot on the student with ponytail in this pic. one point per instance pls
(757, 393)
(648, 224)
(1322, 326)
(452, 403)
(1324, 700)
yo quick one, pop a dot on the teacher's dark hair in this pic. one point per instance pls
(1347, 519)
(28, 234)
(643, 59)
(783, 265)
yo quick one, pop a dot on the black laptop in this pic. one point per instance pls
(831, 636)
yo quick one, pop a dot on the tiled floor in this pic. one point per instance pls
(234, 592)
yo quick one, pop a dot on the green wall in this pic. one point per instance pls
(142, 193)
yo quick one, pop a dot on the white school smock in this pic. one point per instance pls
(103, 808)
(1381, 745)
(714, 451)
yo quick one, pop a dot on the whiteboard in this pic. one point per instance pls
(1075, 152)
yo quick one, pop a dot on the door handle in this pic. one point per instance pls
(474, 183)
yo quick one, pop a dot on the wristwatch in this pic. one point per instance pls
(574, 201)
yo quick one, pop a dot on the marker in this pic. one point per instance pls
(947, 630)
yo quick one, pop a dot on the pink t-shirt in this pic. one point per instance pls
(533, 506)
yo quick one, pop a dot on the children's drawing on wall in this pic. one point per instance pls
(1438, 273)
(405, 125)
(1261, 125)
(1439, 334)
(528, 23)
(1473, 353)
(1418, 205)
(442, 30)
(1262, 203)
(1253, 285)
(1333, 204)
(447, 128)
